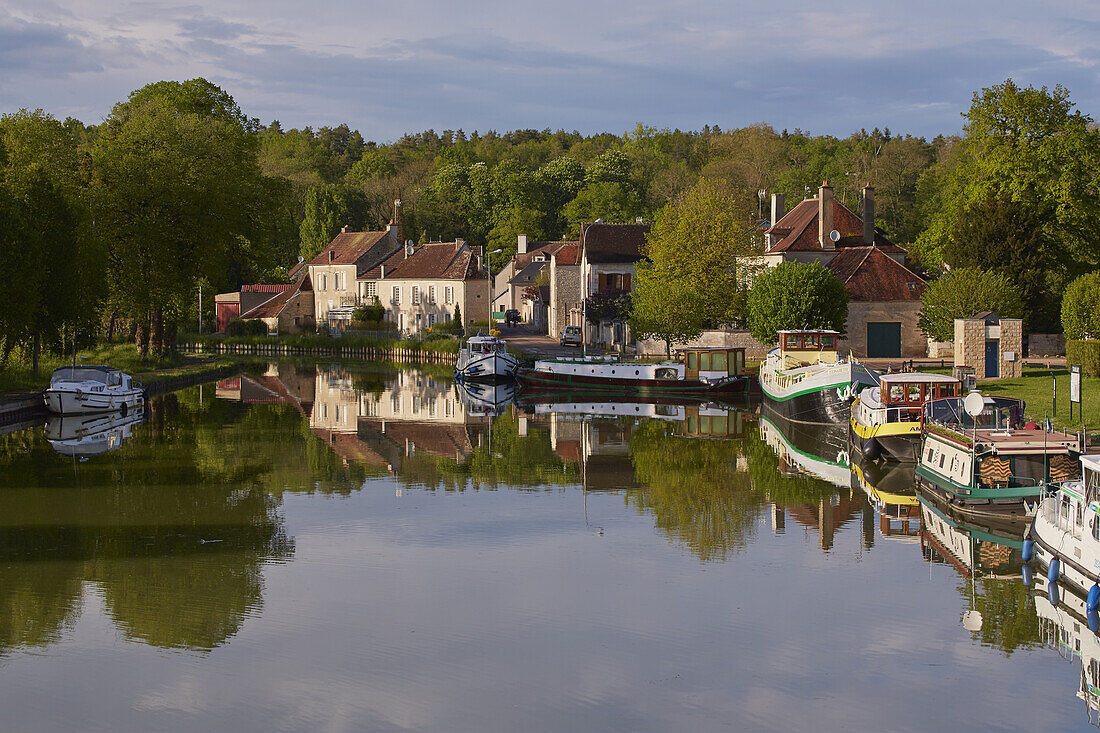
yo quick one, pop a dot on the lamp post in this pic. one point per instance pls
(489, 264)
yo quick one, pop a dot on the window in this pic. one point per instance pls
(324, 282)
(693, 360)
(416, 295)
(704, 362)
(828, 341)
(431, 319)
(431, 293)
(449, 294)
(396, 295)
(942, 457)
(446, 317)
(371, 290)
(718, 361)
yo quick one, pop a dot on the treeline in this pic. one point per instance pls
(114, 228)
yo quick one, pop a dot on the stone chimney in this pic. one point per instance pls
(868, 214)
(344, 229)
(382, 273)
(825, 215)
(779, 203)
(521, 244)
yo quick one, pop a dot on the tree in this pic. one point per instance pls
(964, 293)
(1006, 236)
(663, 309)
(609, 201)
(1081, 307)
(326, 211)
(607, 305)
(793, 296)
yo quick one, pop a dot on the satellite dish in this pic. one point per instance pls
(834, 235)
(972, 620)
(974, 404)
(301, 259)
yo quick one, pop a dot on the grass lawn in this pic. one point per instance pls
(1036, 389)
(17, 377)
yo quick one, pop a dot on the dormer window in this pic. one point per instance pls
(331, 255)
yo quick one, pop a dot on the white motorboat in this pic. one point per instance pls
(485, 358)
(85, 436)
(79, 390)
(1065, 533)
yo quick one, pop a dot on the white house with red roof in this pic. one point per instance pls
(884, 293)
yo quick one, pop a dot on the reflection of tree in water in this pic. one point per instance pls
(1009, 620)
(770, 478)
(694, 490)
(174, 526)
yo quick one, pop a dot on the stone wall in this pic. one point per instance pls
(1012, 342)
(907, 312)
(1046, 344)
(940, 349)
(565, 294)
(970, 345)
(729, 338)
(971, 336)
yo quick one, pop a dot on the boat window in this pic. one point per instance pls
(1096, 529)
(501, 348)
(828, 341)
(943, 457)
(929, 458)
(718, 361)
(665, 410)
(665, 373)
(719, 425)
(1065, 507)
(704, 424)
(914, 393)
(1080, 519)
(897, 393)
(704, 361)
(693, 360)
(693, 424)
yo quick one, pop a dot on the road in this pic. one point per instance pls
(528, 341)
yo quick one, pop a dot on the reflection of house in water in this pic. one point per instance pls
(989, 550)
(601, 446)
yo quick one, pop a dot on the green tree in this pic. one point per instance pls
(608, 201)
(668, 310)
(795, 295)
(1081, 307)
(326, 211)
(964, 293)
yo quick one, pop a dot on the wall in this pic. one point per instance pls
(970, 345)
(1012, 340)
(940, 349)
(565, 294)
(1046, 344)
(326, 295)
(297, 314)
(730, 338)
(914, 344)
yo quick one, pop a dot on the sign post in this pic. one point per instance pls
(1075, 389)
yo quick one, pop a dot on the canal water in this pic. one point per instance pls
(316, 547)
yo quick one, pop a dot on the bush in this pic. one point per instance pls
(1085, 353)
(793, 296)
(1081, 308)
(251, 327)
(371, 313)
(964, 293)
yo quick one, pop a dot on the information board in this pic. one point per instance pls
(1075, 383)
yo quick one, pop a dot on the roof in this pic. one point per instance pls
(362, 249)
(527, 275)
(271, 307)
(614, 242)
(797, 230)
(919, 377)
(810, 330)
(569, 254)
(546, 249)
(433, 261)
(871, 275)
(300, 270)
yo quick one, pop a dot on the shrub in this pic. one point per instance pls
(1081, 308)
(795, 295)
(370, 313)
(1085, 353)
(251, 327)
(964, 293)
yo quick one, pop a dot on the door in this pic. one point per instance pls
(993, 358)
(883, 339)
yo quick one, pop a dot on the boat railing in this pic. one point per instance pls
(1062, 515)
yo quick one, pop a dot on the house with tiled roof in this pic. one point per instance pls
(420, 286)
(290, 310)
(609, 255)
(884, 294)
(336, 269)
(565, 287)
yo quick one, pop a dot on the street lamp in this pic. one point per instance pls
(489, 264)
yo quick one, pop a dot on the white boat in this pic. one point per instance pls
(1067, 528)
(485, 358)
(806, 379)
(888, 417)
(84, 436)
(84, 389)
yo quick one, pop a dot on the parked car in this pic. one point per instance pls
(511, 317)
(571, 336)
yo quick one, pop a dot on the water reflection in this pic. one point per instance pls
(84, 436)
(1069, 628)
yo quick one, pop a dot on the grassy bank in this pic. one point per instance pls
(17, 376)
(1036, 389)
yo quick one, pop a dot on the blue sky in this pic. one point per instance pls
(594, 66)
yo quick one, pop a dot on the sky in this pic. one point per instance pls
(587, 65)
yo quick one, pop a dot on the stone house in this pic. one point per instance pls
(990, 345)
(565, 288)
(884, 293)
(609, 257)
(289, 311)
(420, 286)
(530, 259)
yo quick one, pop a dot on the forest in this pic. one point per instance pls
(111, 230)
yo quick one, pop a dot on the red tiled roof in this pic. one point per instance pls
(798, 230)
(271, 307)
(614, 242)
(546, 249)
(363, 249)
(438, 261)
(300, 270)
(871, 275)
(570, 254)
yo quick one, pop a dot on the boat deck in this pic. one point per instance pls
(1029, 441)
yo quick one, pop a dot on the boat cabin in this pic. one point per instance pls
(912, 390)
(486, 345)
(712, 363)
(802, 348)
(103, 376)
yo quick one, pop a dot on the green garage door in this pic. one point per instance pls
(883, 339)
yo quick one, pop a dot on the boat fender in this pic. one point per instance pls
(125, 408)
(871, 449)
(1094, 621)
(1093, 601)
(1028, 551)
(1053, 594)
(1054, 569)
(1026, 575)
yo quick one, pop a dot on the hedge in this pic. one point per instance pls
(1085, 353)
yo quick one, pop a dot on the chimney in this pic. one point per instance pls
(521, 244)
(344, 229)
(382, 274)
(825, 215)
(779, 203)
(868, 214)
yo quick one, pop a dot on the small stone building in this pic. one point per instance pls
(990, 345)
